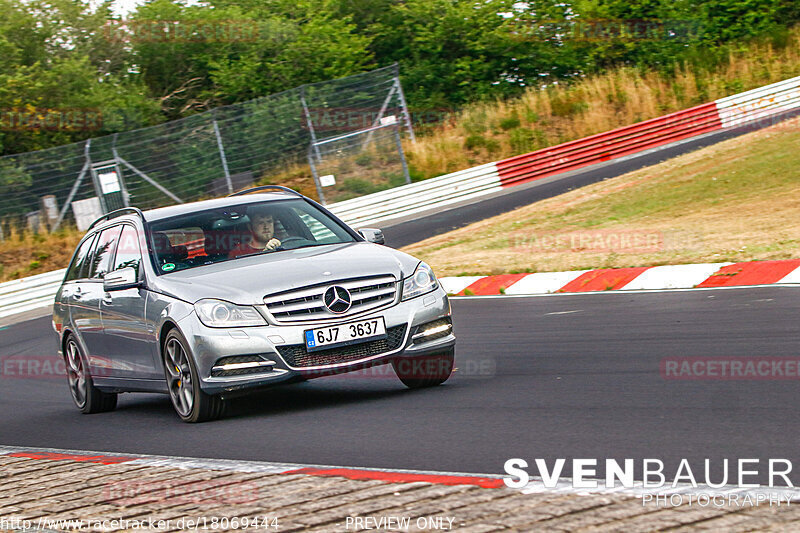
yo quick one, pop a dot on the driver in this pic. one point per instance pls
(262, 235)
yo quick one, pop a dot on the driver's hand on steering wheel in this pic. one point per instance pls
(272, 245)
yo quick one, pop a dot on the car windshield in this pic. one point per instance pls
(225, 234)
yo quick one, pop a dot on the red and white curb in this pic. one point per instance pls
(536, 485)
(704, 275)
(377, 474)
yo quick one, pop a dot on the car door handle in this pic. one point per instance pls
(107, 299)
(77, 294)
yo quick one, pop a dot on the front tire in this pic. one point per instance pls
(190, 402)
(425, 371)
(88, 398)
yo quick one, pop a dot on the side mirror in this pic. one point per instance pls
(124, 278)
(372, 235)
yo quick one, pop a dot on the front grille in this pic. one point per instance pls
(297, 356)
(306, 304)
(219, 373)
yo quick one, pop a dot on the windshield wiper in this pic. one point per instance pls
(314, 245)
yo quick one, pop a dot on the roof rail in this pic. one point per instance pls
(266, 188)
(118, 213)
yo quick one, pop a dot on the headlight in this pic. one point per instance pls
(421, 282)
(219, 314)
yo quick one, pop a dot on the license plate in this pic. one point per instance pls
(343, 334)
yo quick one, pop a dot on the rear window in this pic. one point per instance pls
(104, 252)
(79, 266)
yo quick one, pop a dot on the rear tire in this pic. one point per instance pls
(87, 398)
(425, 371)
(190, 402)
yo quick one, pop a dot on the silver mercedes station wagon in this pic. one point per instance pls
(208, 300)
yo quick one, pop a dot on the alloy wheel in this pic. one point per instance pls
(76, 374)
(179, 377)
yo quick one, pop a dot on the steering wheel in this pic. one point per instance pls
(291, 238)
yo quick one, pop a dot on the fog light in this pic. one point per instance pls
(242, 365)
(434, 329)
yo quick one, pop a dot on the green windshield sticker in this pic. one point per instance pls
(168, 266)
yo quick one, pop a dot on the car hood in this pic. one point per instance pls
(247, 280)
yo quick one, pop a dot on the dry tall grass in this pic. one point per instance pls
(24, 253)
(495, 130)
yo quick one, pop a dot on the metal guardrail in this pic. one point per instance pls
(741, 109)
(757, 104)
(27, 294)
(418, 197)
(609, 145)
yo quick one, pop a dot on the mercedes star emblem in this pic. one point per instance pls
(337, 299)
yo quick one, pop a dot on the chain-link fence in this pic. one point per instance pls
(359, 162)
(213, 153)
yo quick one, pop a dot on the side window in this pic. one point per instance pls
(104, 252)
(321, 233)
(128, 252)
(80, 260)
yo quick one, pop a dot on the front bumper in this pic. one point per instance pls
(209, 345)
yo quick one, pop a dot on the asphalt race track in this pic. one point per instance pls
(543, 377)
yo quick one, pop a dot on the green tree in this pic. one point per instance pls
(278, 45)
(53, 56)
(726, 20)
